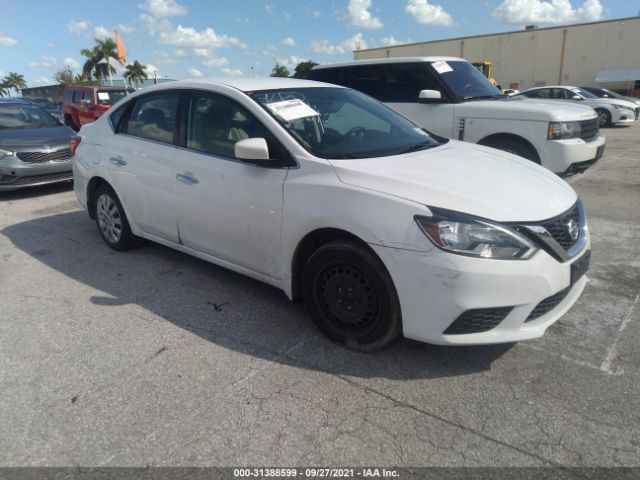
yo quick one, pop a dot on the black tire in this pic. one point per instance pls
(111, 220)
(516, 147)
(68, 121)
(351, 297)
(604, 118)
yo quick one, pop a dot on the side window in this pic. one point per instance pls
(558, 93)
(76, 96)
(116, 116)
(68, 96)
(215, 123)
(86, 95)
(366, 78)
(154, 117)
(328, 75)
(406, 80)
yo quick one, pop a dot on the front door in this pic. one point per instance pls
(227, 208)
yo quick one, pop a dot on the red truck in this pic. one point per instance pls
(85, 104)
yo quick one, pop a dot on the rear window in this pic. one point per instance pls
(109, 97)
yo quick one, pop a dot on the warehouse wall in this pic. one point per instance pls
(530, 58)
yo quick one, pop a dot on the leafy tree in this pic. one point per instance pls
(303, 68)
(14, 81)
(64, 76)
(279, 71)
(4, 89)
(135, 72)
(98, 64)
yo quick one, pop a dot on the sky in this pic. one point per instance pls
(217, 38)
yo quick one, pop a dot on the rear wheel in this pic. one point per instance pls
(516, 147)
(112, 221)
(351, 296)
(604, 118)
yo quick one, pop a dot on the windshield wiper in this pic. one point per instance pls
(485, 97)
(416, 147)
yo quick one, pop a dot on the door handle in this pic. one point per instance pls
(187, 177)
(118, 161)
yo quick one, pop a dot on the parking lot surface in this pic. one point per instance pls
(152, 357)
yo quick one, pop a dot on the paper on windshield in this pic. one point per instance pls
(290, 110)
(103, 96)
(442, 67)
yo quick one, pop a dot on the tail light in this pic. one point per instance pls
(75, 141)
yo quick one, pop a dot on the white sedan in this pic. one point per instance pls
(383, 228)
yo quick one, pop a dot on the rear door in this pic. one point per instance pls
(141, 159)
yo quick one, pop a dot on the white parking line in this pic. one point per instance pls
(612, 352)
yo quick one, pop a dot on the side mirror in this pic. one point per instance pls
(252, 150)
(576, 97)
(427, 96)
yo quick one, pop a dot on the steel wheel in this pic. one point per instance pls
(351, 296)
(347, 298)
(109, 218)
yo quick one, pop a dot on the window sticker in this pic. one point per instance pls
(103, 96)
(442, 67)
(290, 110)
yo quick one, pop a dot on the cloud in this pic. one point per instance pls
(195, 73)
(391, 41)
(150, 69)
(78, 27)
(181, 53)
(124, 28)
(343, 48)
(360, 16)
(34, 64)
(102, 33)
(71, 63)
(165, 59)
(42, 80)
(163, 8)
(215, 62)
(291, 62)
(289, 42)
(52, 45)
(190, 37)
(231, 72)
(269, 8)
(553, 11)
(423, 12)
(8, 41)
(48, 62)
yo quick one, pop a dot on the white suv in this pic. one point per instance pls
(450, 97)
(331, 196)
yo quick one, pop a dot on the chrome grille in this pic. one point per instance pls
(559, 227)
(589, 129)
(45, 157)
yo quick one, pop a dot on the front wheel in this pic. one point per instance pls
(112, 221)
(515, 147)
(351, 296)
(604, 118)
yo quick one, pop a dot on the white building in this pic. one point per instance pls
(583, 54)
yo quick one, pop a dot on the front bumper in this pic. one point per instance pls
(560, 155)
(623, 117)
(435, 288)
(15, 174)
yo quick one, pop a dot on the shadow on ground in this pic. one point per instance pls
(223, 307)
(39, 191)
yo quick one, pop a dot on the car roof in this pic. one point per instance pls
(243, 84)
(376, 61)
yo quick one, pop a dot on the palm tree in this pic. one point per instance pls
(280, 71)
(98, 59)
(135, 72)
(15, 81)
(3, 89)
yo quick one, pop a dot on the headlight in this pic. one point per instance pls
(563, 130)
(622, 107)
(5, 153)
(467, 235)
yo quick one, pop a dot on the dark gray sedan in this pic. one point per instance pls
(34, 147)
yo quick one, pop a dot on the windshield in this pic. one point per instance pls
(41, 102)
(584, 93)
(342, 123)
(109, 97)
(465, 80)
(25, 116)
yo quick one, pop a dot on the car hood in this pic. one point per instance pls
(35, 137)
(466, 178)
(519, 108)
